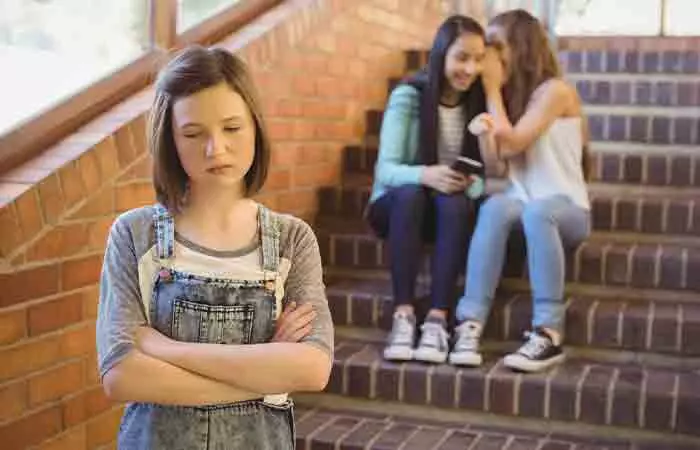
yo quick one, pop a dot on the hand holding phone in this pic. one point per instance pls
(467, 166)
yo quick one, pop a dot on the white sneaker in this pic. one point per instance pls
(466, 349)
(400, 343)
(537, 354)
(433, 345)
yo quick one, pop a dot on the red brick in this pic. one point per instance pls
(142, 170)
(13, 326)
(56, 383)
(32, 429)
(28, 357)
(72, 184)
(277, 179)
(90, 302)
(304, 86)
(126, 152)
(13, 400)
(55, 314)
(284, 155)
(9, 230)
(61, 241)
(29, 213)
(78, 341)
(97, 232)
(303, 130)
(22, 285)
(134, 195)
(81, 272)
(103, 429)
(90, 171)
(92, 375)
(101, 204)
(52, 201)
(280, 130)
(106, 153)
(316, 175)
(73, 439)
(80, 407)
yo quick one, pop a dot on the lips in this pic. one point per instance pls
(219, 168)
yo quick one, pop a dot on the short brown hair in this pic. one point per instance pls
(191, 70)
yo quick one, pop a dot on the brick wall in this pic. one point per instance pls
(319, 65)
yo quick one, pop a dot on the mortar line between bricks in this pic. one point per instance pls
(619, 332)
(508, 443)
(309, 439)
(641, 412)
(548, 391)
(679, 328)
(684, 268)
(444, 439)
(691, 211)
(590, 322)
(371, 442)
(516, 393)
(473, 444)
(638, 215)
(604, 262)
(429, 384)
(657, 265)
(610, 394)
(410, 436)
(650, 325)
(487, 387)
(458, 388)
(348, 308)
(579, 389)
(352, 429)
(674, 408)
(402, 381)
(630, 265)
(373, 378)
(665, 206)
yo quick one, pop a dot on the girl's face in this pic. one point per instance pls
(463, 61)
(214, 135)
(496, 38)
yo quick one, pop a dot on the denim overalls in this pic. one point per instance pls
(194, 308)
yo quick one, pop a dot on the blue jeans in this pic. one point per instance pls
(550, 225)
(409, 216)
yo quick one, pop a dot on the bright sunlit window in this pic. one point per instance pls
(192, 12)
(51, 49)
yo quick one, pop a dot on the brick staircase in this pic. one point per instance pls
(632, 380)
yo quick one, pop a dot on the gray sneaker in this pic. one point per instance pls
(466, 349)
(433, 345)
(400, 343)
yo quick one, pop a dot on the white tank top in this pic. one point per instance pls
(552, 165)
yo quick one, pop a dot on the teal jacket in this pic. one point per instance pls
(398, 162)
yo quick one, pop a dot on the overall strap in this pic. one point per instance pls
(270, 239)
(164, 227)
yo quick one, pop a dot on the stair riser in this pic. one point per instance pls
(576, 392)
(670, 217)
(613, 62)
(642, 326)
(674, 170)
(638, 93)
(593, 263)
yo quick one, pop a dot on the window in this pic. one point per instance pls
(51, 49)
(63, 62)
(192, 12)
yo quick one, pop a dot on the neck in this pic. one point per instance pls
(217, 206)
(449, 96)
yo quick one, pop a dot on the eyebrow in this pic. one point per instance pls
(226, 119)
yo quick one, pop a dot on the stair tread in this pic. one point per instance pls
(369, 427)
(588, 391)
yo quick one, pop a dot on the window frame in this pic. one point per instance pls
(30, 138)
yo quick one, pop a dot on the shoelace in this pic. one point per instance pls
(535, 345)
(433, 332)
(467, 340)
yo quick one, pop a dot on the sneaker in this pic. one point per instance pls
(433, 346)
(537, 354)
(400, 343)
(466, 349)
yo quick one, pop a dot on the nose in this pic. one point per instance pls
(216, 145)
(471, 68)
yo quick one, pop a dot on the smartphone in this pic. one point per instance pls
(467, 166)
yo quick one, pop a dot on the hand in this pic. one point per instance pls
(151, 341)
(443, 179)
(295, 323)
(483, 123)
(492, 74)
